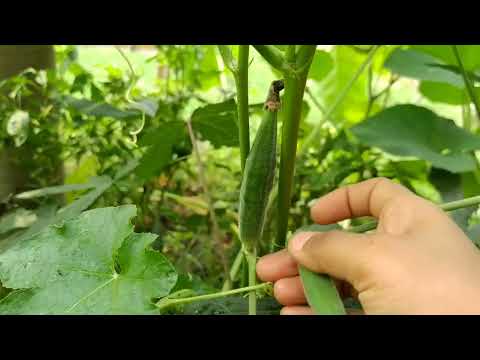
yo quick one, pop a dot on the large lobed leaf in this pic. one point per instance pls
(409, 130)
(93, 264)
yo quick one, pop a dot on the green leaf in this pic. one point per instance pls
(322, 64)
(470, 54)
(227, 57)
(409, 130)
(91, 108)
(332, 176)
(17, 123)
(418, 65)
(444, 93)
(471, 183)
(84, 202)
(87, 168)
(65, 213)
(217, 123)
(159, 153)
(411, 169)
(148, 106)
(93, 264)
(346, 63)
(127, 169)
(208, 72)
(47, 215)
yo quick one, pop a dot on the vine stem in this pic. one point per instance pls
(449, 206)
(132, 83)
(213, 218)
(133, 75)
(467, 81)
(169, 302)
(328, 113)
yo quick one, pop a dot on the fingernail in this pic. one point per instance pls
(312, 202)
(299, 240)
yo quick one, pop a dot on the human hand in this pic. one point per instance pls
(417, 261)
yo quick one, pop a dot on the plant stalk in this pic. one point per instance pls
(292, 111)
(162, 304)
(290, 54)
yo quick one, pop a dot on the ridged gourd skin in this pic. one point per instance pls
(257, 181)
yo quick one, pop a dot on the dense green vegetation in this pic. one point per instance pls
(121, 169)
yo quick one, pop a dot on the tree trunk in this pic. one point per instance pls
(16, 58)
(13, 60)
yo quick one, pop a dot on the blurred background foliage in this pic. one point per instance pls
(79, 116)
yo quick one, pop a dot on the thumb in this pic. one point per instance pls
(339, 254)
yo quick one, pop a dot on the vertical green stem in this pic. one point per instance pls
(252, 280)
(241, 83)
(292, 111)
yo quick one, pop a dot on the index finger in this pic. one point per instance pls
(367, 198)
